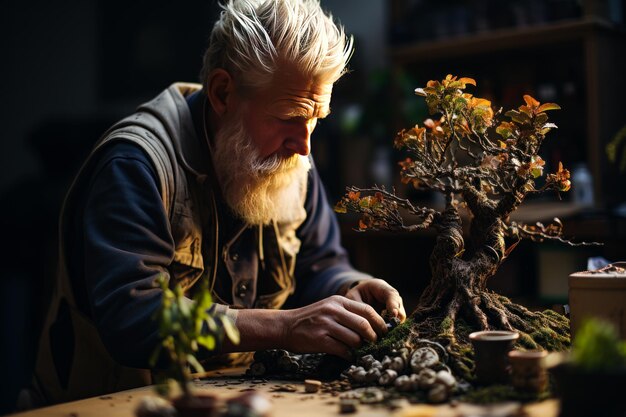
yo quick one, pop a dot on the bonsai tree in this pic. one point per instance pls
(485, 164)
(184, 326)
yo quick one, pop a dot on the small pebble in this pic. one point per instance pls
(312, 385)
(398, 403)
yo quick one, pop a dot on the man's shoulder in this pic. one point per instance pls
(122, 154)
(122, 150)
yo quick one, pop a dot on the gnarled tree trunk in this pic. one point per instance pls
(457, 301)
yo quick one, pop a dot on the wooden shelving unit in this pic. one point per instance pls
(603, 62)
(498, 40)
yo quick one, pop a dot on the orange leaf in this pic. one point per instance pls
(362, 225)
(467, 80)
(354, 196)
(530, 101)
(548, 106)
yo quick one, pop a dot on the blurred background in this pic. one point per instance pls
(70, 69)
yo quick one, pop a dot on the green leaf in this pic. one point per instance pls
(518, 117)
(230, 329)
(504, 132)
(204, 301)
(194, 363)
(184, 307)
(166, 320)
(208, 341)
(210, 322)
(540, 119)
(155, 356)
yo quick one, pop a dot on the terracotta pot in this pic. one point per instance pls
(528, 370)
(599, 294)
(590, 393)
(197, 405)
(490, 353)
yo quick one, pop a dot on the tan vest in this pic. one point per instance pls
(164, 129)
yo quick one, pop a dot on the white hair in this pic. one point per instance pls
(253, 37)
(258, 190)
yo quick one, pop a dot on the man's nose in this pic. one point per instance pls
(300, 139)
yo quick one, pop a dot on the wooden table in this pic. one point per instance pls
(229, 383)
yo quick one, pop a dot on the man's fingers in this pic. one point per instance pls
(344, 335)
(366, 320)
(395, 305)
(355, 295)
(337, 348)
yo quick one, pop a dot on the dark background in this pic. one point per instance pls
(70, 69)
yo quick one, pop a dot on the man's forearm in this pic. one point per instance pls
(259, 329)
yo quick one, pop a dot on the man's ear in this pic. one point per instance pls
(220, 89)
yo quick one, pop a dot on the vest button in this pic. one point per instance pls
(242, 288)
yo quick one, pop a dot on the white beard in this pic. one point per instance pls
(257, 190)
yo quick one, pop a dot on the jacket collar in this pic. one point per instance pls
(172, 109)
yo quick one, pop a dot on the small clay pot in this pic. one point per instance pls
(528, 370)
(491, 348)
(197, 405)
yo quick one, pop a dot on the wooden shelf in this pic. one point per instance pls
(497, 40)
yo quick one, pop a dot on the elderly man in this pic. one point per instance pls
(212, 182)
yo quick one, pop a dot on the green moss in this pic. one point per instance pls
(461, 369)
(462, 362)
(446, 326)
(391, 341)
(500, 393)
(526, 342)
(550, 340)
(553, 315)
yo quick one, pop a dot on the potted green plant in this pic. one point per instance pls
(485, 162)
(590, 380)
(184, 327)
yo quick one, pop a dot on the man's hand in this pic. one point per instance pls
(333, 325)
(377, 292)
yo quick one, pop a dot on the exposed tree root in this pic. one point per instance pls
(451, 324)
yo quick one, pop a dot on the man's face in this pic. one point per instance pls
(262, 145)
(281, 118)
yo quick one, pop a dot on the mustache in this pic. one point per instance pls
(275, 164)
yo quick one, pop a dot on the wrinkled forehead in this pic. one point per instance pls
(294, 94)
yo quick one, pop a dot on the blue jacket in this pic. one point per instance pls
(122, 240)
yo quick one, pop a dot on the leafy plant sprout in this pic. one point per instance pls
(485, 163)
(184, 326)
